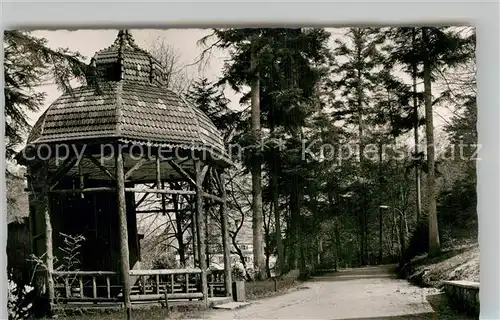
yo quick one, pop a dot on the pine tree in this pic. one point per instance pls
(286, 79)
(423, 53)
(28, 63)
(359, 65)
(210, 98)
(441, 48)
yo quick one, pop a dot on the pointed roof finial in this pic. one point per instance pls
(124, 38)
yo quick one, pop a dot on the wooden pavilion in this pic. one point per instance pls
(86, 157)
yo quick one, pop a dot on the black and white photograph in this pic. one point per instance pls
(242, 173)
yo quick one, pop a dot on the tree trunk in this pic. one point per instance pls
(257, 222)
(267, 237)
(418, 199)
(338, 248)
(293, 228)
(280, 259)
(402, 237)
(360, 98)
(201, 230)
(434, 245)
(380, 225)
(179, 233)
(226, 248)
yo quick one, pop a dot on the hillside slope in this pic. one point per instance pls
(453, 264)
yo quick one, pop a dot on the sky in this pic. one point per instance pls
(87, 42)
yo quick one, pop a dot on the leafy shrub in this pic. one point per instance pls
(164, 261)
(419, 240)
(238, 274)
(19, 302)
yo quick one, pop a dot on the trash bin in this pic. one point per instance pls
(239, 291)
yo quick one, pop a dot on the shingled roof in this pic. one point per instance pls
(132, 106)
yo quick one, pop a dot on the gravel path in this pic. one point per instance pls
(363, 293)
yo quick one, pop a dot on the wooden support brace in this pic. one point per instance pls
(101, 167)
(62, 170)
(182, 172)
(136, 167)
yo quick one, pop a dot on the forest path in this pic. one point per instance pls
(360, 293)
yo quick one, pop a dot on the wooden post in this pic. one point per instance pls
(194, 230)
(108, 287)
(166, 304)
(225, 239)
(164, 200)
(42, 208)
(94, 288)
(207, 237)
(201, 231)
(80, 285)
(122, 222)
(158, 175)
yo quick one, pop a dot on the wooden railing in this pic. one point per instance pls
(96, 286)
(177, 283)
(216, 283)
(104, 286)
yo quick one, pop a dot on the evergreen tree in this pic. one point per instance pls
(210, 98)
(283, 60)
(29, 62)
(359, 63)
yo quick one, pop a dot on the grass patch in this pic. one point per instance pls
(270, 287)
(152, 313)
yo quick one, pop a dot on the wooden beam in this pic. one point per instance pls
(201, 231)
(64, 168)
(100, 166)
(182, 172)
(136, 167)
(226, 246)
(84, 273)
(161, 191)
(86, 190)
(164, 272)
(122, 222)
